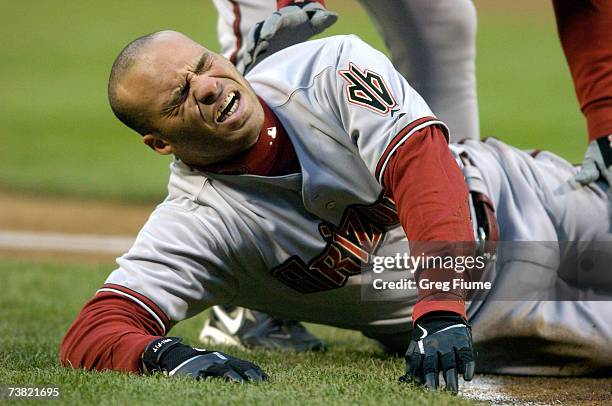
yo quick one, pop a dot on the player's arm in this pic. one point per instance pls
(431, 198)
(179, 265)
(113, 332)
(586, 36)
(432, 203)
(110, 332)
(405, 147)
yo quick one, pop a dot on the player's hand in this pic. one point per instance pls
(441, 342)
(597, 161)
(168, 355)
(288, 26)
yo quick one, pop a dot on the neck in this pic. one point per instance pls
(271, 155)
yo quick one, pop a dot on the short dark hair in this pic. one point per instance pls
(127, 58)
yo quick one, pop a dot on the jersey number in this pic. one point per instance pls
(367, 89)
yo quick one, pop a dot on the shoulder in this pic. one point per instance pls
(301, 65)
(191, 200)
(322, 52)
(304, 53)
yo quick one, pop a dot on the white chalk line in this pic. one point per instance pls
(487, 389)
(64, 242)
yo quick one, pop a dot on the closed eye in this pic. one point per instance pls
(180, 94)
(178, 97)
(203, 63)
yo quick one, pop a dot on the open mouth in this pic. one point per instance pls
(228, 107)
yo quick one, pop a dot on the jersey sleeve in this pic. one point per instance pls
(432, 203)
(406, 148)
(110, 332)
(378, 108)
(178, 266)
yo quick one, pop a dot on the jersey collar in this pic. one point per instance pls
(272, 154)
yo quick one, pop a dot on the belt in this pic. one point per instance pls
(486, 228)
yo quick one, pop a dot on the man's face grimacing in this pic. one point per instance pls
(199, 107)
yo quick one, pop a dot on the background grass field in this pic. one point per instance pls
(58, 137)
(352, 371)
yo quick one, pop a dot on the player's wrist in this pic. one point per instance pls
(437, 303)
(597, 162)
(437, 320)
(166, 353)
(285, 3)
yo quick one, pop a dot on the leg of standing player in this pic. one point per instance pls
(235, 19)
(433, 44)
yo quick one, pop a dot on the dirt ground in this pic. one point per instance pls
(30, 213)
(523, 390)
(20, 212)
(25, 212)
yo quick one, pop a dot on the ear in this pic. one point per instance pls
(158, 145)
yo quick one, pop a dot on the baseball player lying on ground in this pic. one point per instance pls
(285, 184)
(441, 36)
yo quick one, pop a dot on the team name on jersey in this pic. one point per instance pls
(348, 250)
(367, 89)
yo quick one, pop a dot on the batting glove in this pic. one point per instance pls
(597, 161)
(169, 356)
(288, 26)
(441, 342)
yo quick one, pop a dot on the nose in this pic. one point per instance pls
(206, 89)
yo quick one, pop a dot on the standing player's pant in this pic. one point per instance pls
(432, 43)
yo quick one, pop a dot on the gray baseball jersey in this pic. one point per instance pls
(246, 239)
(290, 245)
(432, 44)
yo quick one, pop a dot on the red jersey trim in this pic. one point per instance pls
(400, 138)
(237, 33)
(426, 306)
(143, 301)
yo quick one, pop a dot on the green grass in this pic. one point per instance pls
(40, 300)
(59, 136)
(526, 95)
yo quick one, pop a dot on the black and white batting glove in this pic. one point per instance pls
(441, 342)
(597, 161)
(170, 356)
(288, 26)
